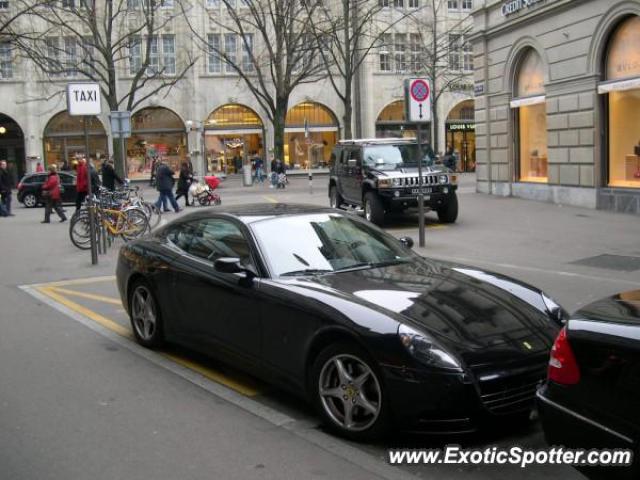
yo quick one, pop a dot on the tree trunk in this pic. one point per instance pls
(348, 111)
(434, 121)
(279, 119)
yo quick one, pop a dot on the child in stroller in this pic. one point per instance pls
(205, 193)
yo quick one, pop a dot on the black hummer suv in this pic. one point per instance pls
(381, 175)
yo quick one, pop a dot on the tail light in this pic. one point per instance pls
(20, 186)
(563, 368)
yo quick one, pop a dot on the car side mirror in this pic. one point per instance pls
(233, 265)
(407, 242)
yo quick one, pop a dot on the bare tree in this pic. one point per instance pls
(278, 52)
(114, 43)
(347, 31)
(439, 57)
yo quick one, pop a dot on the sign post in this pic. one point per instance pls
(121, 128)
(418, 110)
(83, 99)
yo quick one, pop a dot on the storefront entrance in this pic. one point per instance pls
(461, 135)
(12, 146)
(157, 134)
(233, 137)
(64, 141)
(311, 132)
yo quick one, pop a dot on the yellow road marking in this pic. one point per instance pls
(96, 317)
(271, 199)
(79, 281)
(90, 296)
(56, 294)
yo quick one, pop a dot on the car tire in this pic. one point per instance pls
(144, 313)
(335, 199)
(373, 209)
(30, 200)
(449, 213)
(343, 376)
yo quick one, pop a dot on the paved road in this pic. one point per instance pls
(80, 400)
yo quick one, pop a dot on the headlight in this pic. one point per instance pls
(385, 183)
(425, 350)
(397, 182)
(444, 179)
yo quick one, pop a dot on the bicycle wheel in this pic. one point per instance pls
(135, 225)
(154, 214)
(79, 230)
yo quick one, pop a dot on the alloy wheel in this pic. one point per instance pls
(143, 313)
(29, 200)
(350, 392)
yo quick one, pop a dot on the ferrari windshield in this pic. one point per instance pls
(325, 243)
(392, 157)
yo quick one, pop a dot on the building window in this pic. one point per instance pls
(135, 55)
(213, 3)
(467, 4)
(531, 119)
(6, 61)
(384, 3)
(454, 51)
(215, 63)
(398, 3)
(467, 56)
(622, 87)
(53, 56)
(68, 3)
(385, 47)
(230, 50)
(452, 4)
(154, 56)
(4, 4)
(415, 46)
(247, 51)
(169, 54)
(414, 3)
(400, 48)
(70, 57)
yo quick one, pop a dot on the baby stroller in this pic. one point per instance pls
(282, 180)
(205, 193)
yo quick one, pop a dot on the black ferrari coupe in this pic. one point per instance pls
(329, 306)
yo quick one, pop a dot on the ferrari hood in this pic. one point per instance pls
(481, 316)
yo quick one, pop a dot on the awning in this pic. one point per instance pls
(619, 85)
(526, 101)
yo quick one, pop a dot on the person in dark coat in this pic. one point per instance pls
(82, 183)
(164, 184)
(51, 193)
(184, 182)
(449, 159)
(6, 184)
(95, 178)
(109, 176)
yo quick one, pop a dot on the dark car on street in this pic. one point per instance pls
(381, 176)
(327, 305)
(30, 188)
(592, 396)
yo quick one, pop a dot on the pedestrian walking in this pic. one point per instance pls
(82, 183)
(449, 159)
(51, 194)
(109, 176)
(164, 184)
(6, 185)
(274, 175)
(259, 166)
(184, 182)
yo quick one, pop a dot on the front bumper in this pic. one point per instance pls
(434, 197)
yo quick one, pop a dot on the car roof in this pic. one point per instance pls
(252, 212)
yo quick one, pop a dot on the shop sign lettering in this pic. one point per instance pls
(514, 6)
(461, 126)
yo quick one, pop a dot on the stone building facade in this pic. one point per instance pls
(210, 117)
(557, 86)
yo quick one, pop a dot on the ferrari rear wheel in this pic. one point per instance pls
(349, 393)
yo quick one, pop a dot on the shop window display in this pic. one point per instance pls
(532, 120)
(391, 123)
(64, 141)
(623, 64)
(157, 134)
(233, 138)
(311, 131)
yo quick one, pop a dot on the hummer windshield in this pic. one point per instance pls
(394, 157)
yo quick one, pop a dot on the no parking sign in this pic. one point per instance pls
(417, 100)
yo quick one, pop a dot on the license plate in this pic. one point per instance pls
(424, 190)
